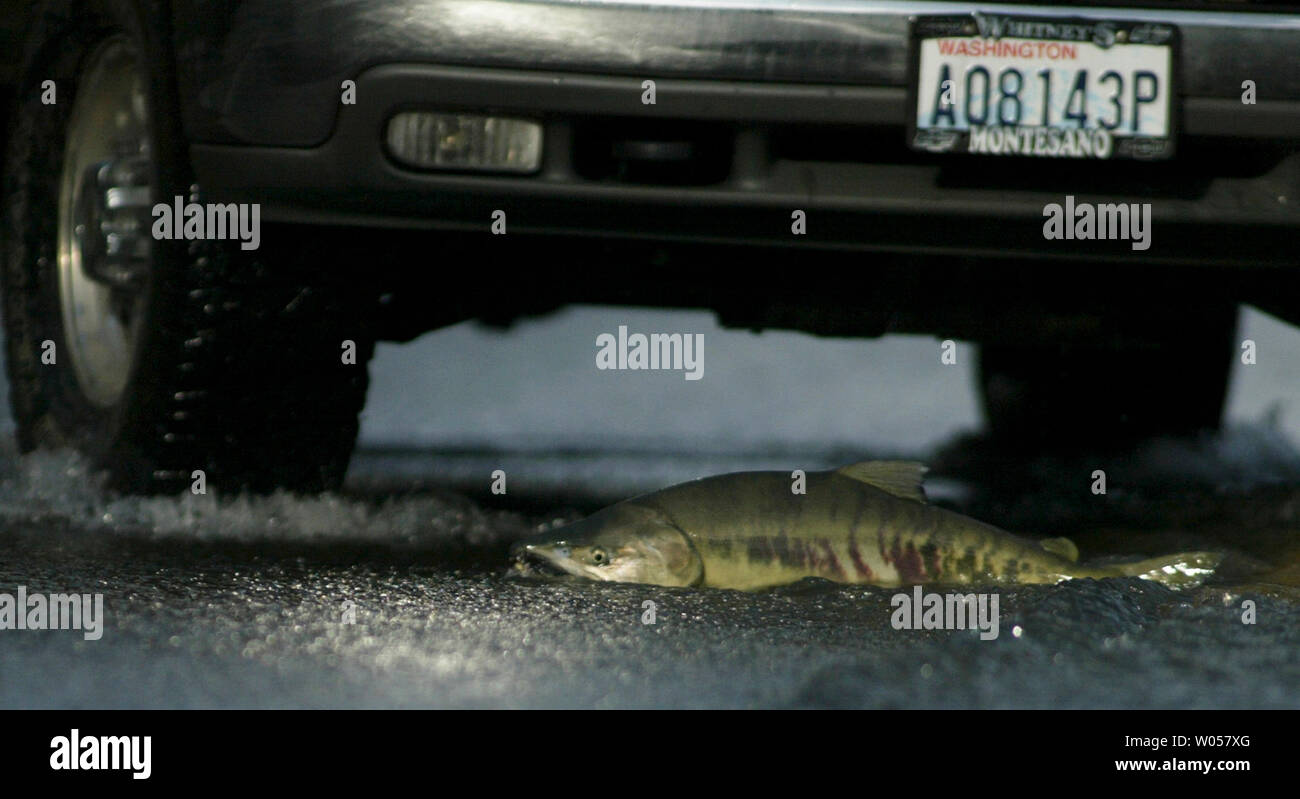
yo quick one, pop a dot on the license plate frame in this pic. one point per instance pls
(1100, 33)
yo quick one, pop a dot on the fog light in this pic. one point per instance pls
(428, 140)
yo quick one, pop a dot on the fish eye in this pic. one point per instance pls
(599, 556)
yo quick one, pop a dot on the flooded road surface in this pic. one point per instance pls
(246, 602)
(395, 594)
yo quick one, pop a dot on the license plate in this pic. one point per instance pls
(1043, 87)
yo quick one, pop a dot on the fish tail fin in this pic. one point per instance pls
(1184, 570)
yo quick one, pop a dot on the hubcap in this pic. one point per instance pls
(105, 197)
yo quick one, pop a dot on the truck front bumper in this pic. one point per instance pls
(797, 105)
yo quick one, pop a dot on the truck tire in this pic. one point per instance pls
(1077, 394)
(157, 358)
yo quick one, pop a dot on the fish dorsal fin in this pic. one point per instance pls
(900, 478)
(1061, 546)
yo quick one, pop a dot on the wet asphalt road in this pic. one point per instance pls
(241, 602)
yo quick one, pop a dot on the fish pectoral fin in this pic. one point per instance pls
(1061, 546)
(900, 478)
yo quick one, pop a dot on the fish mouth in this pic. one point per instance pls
(531, 560)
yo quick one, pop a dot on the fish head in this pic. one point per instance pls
(624, 543)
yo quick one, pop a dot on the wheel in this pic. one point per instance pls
(1169, 381)
(157, 357)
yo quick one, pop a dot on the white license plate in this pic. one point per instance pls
(1042, 87)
